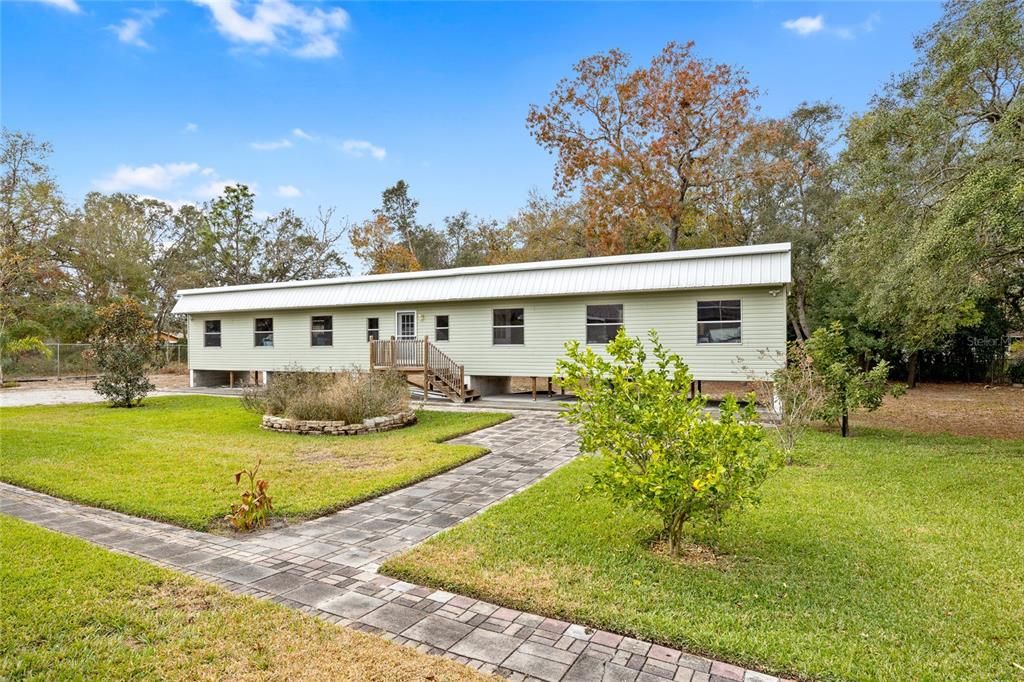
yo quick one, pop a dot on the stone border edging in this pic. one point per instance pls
(339, 428)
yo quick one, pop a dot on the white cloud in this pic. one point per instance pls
(154, 177)
(302, 134)
(805, 25)
(69, 5)
(283, 143)
(289, 191)
(310, 33)
(130, 29)
(190, 128)
(361, 148)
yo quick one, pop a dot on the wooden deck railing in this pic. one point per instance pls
(416, 355)
(396, 353)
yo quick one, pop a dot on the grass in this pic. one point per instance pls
(174, 459)
(886, 556)
(71, 610)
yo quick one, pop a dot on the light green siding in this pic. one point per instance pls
(549, 323)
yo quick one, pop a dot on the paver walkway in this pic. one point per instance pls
(328, 567)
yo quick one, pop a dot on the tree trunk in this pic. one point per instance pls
(844, 425)
(912, 369)
(801, 313)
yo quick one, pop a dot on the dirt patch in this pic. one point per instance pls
(161, 381)
(693, 555)
(954, 409)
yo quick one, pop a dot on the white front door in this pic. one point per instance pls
(405, 323)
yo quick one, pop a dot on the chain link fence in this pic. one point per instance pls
(76, 360)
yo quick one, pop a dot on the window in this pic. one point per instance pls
(508, 326)
(718, 321)
(322, 330)
(441, 328)
(211, 333)
(405, 322)
(603, 322)
(264, 331)
(373, 329)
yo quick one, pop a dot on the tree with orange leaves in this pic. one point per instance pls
(648, 148)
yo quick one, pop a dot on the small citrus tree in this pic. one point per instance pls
(663, 452)
(124, 345)
(846, 386)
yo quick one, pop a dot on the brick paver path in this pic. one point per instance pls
(328, 567)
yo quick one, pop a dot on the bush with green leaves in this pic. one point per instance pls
(1015, 372)
(663, 452)
(847, 387)
(349, 396)
(124, 346)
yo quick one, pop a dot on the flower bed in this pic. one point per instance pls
(339, 428)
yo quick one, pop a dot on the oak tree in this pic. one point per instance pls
(647, 148)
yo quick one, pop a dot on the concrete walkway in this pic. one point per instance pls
(328, 567)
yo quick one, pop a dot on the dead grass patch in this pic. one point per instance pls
(953, 409)
(344, 460)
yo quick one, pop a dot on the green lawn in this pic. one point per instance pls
(886, 556)
(70, 610)
(174, 459)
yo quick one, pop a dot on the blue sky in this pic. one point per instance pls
(317, 103)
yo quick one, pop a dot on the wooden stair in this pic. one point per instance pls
(424, 365)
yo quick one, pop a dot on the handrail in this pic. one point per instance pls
(419, 354)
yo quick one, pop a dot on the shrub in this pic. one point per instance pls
(663, 452)
(349, 396)
(124, 346)
(793, 394)
(847, 387)
(1015, 372)
(256, 504)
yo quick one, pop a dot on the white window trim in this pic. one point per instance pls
(398, 324)
(321, 331)
(220, 337)
(447, 328)
(368, 339)
(271, 332)
(508, 326)
(588, 325)
(700, 322)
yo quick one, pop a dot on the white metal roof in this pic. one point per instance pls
(735, 266)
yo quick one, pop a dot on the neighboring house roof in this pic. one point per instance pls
(735, 266)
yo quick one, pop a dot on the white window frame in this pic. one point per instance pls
(314, 332)
(738, 323)
(254, 333)
(218, 334)
(398, 324)
(447, 328)
(369, 329)
(508, 326)
(586, 317)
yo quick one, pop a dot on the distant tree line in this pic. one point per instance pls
(907, 220)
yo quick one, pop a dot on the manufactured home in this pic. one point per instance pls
(466, 332)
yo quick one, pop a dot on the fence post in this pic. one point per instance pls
(58, 361)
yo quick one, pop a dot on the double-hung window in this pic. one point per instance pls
(211, 333)
(718, 321)
(322, 330)
(603, 322)
(508, 326)
(441, 328)
(264, 332)
(373, 329)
